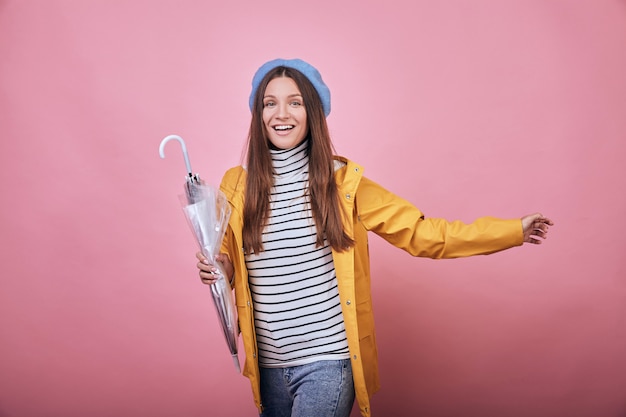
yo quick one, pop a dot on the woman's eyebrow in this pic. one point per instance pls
(289, 96)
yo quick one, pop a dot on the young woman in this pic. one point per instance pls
(296, 250)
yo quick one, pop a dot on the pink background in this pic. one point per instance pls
(465, 108)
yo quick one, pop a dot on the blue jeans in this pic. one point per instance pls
(318, 389)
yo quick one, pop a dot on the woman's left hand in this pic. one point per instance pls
(535, 227)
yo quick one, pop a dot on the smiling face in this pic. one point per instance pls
(284, 115)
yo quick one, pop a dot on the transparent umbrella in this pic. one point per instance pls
(207, 212)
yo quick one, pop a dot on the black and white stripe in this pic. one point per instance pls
(294, 288)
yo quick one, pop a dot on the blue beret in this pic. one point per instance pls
(305, 68)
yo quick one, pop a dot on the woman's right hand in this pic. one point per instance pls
(209, 273)
(535, 227)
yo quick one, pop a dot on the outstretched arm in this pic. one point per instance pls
(535, 228)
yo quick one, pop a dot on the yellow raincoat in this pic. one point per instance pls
(370, 208)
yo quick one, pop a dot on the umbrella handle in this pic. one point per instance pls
(183, 146)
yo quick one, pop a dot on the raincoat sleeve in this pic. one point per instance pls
(228, 249)
(405, 226)
(233, 184)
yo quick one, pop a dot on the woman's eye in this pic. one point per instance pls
(269, 104)
(296, 103)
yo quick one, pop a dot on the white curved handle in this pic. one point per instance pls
(183, 146)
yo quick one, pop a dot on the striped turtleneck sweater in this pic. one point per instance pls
(297, 311)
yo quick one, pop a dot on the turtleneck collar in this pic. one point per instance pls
(289, 162)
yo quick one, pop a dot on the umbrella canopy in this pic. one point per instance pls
(207, 212)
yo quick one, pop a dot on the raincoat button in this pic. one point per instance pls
(354, 357)
(348, 196)
(348, 302)
(356, 170)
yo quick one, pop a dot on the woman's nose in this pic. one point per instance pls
(283, 111)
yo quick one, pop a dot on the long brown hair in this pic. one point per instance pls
(322, 190)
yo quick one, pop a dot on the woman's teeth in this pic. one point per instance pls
(283, 127)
